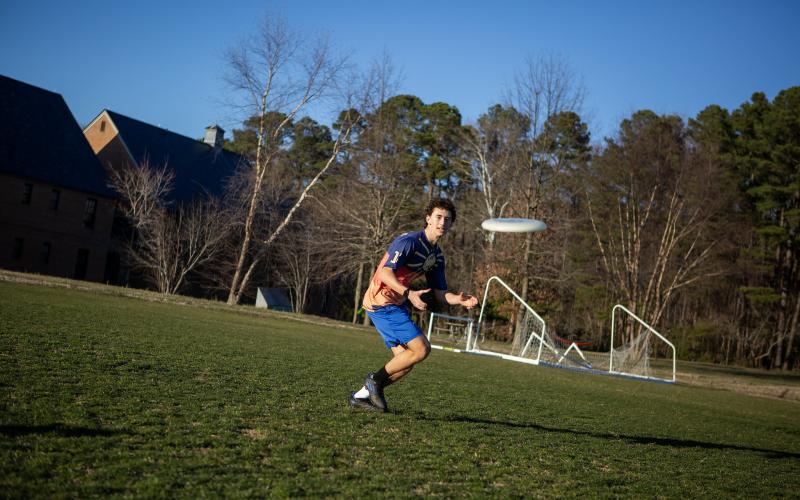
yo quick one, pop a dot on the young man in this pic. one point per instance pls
(409, 257)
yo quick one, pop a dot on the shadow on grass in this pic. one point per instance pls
(57, 429)
(660, 441)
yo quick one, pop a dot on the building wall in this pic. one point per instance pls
(106, 143)
(37, 222)
(100, 132)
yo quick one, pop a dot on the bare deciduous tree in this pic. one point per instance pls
(166, 244)
(495, 145)
(652, 230)
(370, 203)
(300, 261)
(545, 87)
(143, 189)
(277, 71)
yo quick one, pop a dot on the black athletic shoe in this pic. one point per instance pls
(375, 392)
(362, 404)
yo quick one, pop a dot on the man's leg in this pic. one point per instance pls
(396, 351)
(417, 349)
(405, 357)
(394, 377)
(395, 326)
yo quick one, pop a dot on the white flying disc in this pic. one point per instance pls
(514, 225)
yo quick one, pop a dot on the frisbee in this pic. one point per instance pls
(513, 225)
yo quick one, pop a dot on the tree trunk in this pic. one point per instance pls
(357, 295)
(524, 269)
(234, 294)
(792, 333)
(779, 333)
(239, 285)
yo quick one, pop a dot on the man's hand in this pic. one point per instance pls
(415, 297)
(467, 301)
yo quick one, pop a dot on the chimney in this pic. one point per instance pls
(214, 136)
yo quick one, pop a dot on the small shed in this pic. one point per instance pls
(276, 299)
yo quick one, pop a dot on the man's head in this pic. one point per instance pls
(440, 215)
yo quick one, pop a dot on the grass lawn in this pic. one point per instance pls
(108, 395)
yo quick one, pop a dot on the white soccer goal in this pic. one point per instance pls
(524, 340)
(449, 332)
(644, 353)
(640, 351)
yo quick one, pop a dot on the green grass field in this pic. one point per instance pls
(109, 395)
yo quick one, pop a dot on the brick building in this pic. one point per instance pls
(56, 210)
(201, 167)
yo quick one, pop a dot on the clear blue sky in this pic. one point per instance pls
(161, 61)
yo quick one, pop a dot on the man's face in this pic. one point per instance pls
(439, 220)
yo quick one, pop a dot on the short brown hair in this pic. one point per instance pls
(441, 203)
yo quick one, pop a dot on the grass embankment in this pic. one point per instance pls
(101, 394)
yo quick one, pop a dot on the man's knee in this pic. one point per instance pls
(420, 356)
(421, 350)
(427, 350)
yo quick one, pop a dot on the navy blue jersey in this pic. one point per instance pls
(410, 256)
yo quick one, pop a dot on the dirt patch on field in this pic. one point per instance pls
(255, 434)
(742, 386)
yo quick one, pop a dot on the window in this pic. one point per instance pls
(81, 263)
(27, 193)
(55, 198)
(102, 125)
(89, 212)
(16, 253)
(46, 246)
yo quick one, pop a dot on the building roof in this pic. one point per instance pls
(199, 167)
(40, 139)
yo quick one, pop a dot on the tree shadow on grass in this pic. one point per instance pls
(660, 441)
(58, 430)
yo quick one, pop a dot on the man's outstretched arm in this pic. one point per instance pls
(456, 299)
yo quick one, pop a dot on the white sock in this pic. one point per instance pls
(362, 394)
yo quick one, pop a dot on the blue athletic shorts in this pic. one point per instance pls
(394, 324)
